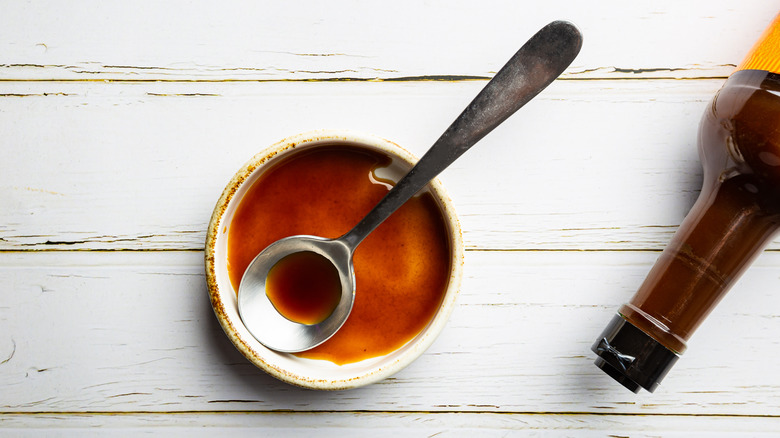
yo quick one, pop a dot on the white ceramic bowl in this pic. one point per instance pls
(309, 373)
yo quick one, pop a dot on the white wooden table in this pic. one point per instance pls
(121, 122)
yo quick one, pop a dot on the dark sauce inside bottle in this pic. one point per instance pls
(735, 216)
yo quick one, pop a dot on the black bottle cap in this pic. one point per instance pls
(631, 356)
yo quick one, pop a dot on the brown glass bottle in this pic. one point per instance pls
(735, 216)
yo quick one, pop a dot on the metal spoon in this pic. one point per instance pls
(542, 59)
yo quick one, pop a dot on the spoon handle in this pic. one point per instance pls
(541, 59)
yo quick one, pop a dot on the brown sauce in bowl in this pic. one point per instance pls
(401, 269)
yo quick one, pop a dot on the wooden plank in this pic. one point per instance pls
(134, 331)
(384, 425)
(587, 165)
(193, 40)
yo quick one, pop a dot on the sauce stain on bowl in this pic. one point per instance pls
(401, 269)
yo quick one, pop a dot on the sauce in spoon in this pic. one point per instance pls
(304, 287)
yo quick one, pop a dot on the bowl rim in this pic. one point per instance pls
(258, 354)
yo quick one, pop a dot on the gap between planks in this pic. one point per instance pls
(401, 79)
(385, 412)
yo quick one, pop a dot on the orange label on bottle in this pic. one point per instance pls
(765, 55)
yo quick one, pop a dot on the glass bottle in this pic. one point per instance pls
(734, 217)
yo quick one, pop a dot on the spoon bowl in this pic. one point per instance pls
(260, 315)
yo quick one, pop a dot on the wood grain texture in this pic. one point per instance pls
(125, 331)
(240, 40)
(411, 424)
(609, 165)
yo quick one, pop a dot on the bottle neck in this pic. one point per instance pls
(724, 232)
